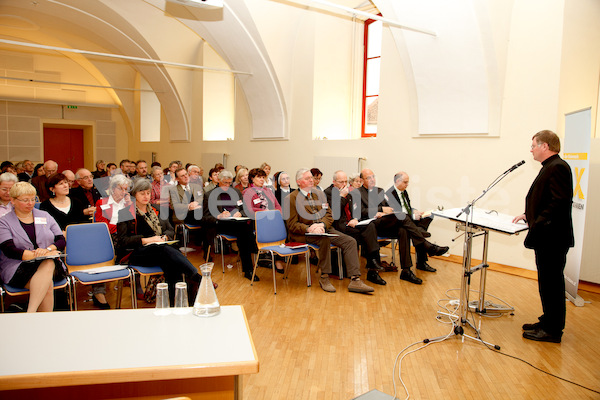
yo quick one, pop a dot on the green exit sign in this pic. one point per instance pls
(72, 107)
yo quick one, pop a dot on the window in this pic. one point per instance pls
(371, 72)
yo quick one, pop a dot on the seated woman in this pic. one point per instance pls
(241, 180)
(27, 233)
(107, 208)
(354, 181)
(139, 226)
(268, 181)
(258, 198)
(63, 209)
(283, 187)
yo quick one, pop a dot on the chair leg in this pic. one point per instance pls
(340, 265)
(119, 293)
(273, 268)
(70, 289)
(74, 293)
(254, 270)
(133, 290)
(222, 254)
(307, 261)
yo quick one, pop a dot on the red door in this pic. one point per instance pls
(65, 146)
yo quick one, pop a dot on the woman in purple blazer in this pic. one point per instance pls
(25, 234)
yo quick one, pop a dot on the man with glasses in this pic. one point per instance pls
(39, 182)
(86, 193)
(390, 222)
(400, 194)
(342, 204)
(7, 180)
(548, 214)
(27, 173)
(310, 221)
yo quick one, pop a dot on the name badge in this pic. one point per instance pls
(325, 206)
(239, 203)
(104, 206)
(256, 201)
(39, 220)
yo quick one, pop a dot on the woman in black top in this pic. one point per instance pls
(63, 209)
(139, 226)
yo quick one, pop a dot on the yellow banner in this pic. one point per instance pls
(575, 156)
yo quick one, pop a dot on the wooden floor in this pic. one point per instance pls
(317, 345)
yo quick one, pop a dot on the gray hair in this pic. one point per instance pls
(8, 177)
(353, 177)
(156, 168)
(189, 169)
(140, 185)
(224, 174)
(335, 174)
(117, 181)
(301, 172)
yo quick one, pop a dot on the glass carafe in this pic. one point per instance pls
(206, 304)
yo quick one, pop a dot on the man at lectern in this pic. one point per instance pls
(548, 214)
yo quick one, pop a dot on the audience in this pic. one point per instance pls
(86, 193)
(317, 175)
(141, 171)
(40, 182)
(28, 171)
(111, 168)
(7, 180)
(100, 172)
(283, 187)
(22, 240)
(195, 177)
(138, 227)
(159, 187)
(63, 209)
(38, 170)
(241, 179)
(268, 181)
(118, 198)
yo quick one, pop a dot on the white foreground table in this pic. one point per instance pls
(125, 354)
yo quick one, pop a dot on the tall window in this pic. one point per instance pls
(371, 72)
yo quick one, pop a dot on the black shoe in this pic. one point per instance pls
(374, 265)
(426, 267)
(280, 271)
(408, 275)
(532, 327)
(436, 250)
(248, 275)
(102, 306)
(541, 335)
(373, 276)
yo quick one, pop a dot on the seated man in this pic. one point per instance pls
(309, 219)
(342, 204)
(39, 182)
(394, 224)
(7, 180)
(141, 171)
(399, 192)
(86, 192)
(27, 174)
(186, 200)
(221, 205)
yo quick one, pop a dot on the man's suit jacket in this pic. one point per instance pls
(372, 202)
(548, 206)
(24, 177)
(180, 199)
(46, 228)
(298, 223)
(397, 204)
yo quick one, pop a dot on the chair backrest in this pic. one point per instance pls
(270, 229)
(89, 245)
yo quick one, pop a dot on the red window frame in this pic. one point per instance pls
(363, 134)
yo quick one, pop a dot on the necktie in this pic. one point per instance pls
(405, 202)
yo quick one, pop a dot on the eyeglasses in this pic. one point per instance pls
(344, 182)
(536, 145)
(90, 177)
(25, 201)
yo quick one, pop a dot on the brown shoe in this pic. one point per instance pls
(326, 285)
(358, 286)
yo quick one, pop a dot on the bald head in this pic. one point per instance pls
(401, 181)
(368, 178)
(50, 167)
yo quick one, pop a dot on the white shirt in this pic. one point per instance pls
(116, 207)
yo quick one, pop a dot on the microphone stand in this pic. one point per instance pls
(470, 232)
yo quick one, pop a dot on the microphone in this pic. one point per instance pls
(517, 165)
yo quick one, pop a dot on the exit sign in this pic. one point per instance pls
(72, 107)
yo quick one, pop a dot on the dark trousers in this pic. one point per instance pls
(246, 242)
(551, 282)
(405, 230)
(365, 235)
(170, 260)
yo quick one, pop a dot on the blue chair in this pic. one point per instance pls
(90, 246)
(229, 238)
(270, 238)
(12, 291)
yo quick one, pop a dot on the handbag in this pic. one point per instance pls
(150, 292)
